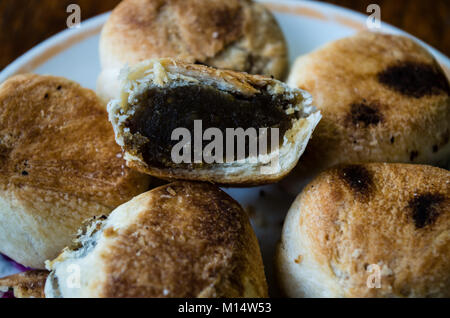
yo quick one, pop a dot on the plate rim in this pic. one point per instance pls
(59, 43)
(64, 40)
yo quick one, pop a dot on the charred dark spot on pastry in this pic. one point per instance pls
(365, 114)
(413, 155)
(59, 88)
(425, 209)
(435, 148)
(24, 173)
(46, 96)
(158, 112)
(414, 79)
(358, 178)
(392, 140)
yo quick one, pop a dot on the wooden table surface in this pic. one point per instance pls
(25, 23)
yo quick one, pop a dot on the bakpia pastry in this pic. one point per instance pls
(28, 284)
(159, 96)
(179, 240)
(383, 98)
(59, 164)
(237, 35)
(372, 230)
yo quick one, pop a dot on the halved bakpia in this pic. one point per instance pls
(184, 121)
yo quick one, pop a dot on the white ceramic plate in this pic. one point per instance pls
(306, 25)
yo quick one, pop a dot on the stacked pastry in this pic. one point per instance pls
(359, 229)
(362, 228)
(383, 98)
(237, 35)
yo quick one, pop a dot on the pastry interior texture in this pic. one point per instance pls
(237, 35)
(159, 96)
(383, 98)
(59, 164)
(372, 230)
(179, 240)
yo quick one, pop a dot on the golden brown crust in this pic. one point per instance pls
(183, 239)
(396, 216)
(55, 136)
(172, 175)
(57, 149)
(26, 285)
(243, 83)
(236, 34)
(189, 240)
(384, 98)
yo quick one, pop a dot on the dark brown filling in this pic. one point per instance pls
(158, 112)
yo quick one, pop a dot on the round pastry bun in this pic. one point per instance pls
(369, 230)
(166, 74)
(179, 240)
(237, 35)
(59, 164)
(383, 98)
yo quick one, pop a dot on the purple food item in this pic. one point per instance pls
(8, 294)
(19, 267)
(16, 265)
